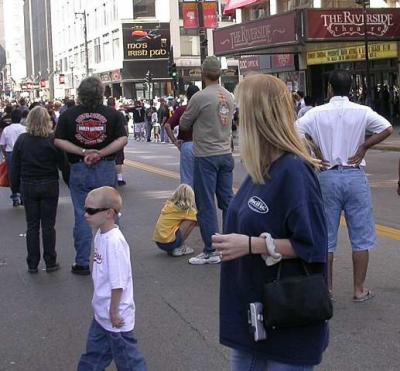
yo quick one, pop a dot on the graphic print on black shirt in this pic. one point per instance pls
(91, 128)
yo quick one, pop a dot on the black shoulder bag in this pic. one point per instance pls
(296, 301)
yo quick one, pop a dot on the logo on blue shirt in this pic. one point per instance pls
(258, 205)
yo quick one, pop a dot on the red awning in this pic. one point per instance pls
(236, 4)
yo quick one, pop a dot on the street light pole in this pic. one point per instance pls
(202, 34)
(84, 14)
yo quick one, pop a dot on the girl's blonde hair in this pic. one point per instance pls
(183, 197)
(38, 123)
(267, 124)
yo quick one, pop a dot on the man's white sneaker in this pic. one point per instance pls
(203, 258)
(182, 250)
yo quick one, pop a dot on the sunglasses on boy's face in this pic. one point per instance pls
(92, 211)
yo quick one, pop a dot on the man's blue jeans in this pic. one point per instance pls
(14, 196)
(187, 163)
(83, 179)
(104, 346)
(213, 176)
(242, 361)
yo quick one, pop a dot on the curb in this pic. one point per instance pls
(382, 147)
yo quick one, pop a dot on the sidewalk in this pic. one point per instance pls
(392, 143)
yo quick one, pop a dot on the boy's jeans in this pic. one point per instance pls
(104, 346)
(83, 179)
(212, 176)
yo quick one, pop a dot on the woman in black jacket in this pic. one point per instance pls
(36, 162)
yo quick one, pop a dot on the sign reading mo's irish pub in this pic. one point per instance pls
(146, 40)
(348, 24)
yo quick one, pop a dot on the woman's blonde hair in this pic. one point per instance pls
(267, 124)
(38, 122)
(183, 197)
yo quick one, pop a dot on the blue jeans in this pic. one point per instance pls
(212, 176)
(348, 190)
(104, 346)
(187, 163)
(243, 361)
(14, 196)
(83, 179)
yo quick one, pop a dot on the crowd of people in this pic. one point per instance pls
(305, 166)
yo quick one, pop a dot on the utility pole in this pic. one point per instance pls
(84, 14)
(364, 4)
(202, 34)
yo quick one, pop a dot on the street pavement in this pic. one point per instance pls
(44, 318)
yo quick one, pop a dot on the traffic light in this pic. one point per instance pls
(173, 74)
(149, 77)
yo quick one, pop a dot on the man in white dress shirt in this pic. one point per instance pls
(338, 128)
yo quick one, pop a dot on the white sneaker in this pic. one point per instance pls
(182, 250)
(203, 258)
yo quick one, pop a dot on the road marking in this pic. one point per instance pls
(381, 230)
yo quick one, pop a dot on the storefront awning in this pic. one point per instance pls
(236, 4)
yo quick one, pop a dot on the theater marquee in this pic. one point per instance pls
(147, 41)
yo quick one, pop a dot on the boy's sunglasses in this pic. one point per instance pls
(92, 211)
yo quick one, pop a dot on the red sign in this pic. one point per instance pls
(61, 79)
(190, 15)
(210, 14)
(247, 64)
(348, 24)
(283, 61)
(116, 75)
(268, 32)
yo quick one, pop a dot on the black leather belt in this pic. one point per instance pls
(108, 158)
(340, 167)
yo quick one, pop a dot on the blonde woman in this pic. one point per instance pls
(35, 171)
(176, 222)
(277, 214)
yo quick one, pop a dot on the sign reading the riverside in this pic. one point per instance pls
(354, 53)
(146, 40)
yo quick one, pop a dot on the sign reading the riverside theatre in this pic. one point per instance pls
(354, 53)
(268, 32)
(339, 24)
(146, 40)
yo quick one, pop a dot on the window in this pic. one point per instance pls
(190, 42)
(115, 46)
(144, 8)
(97, 50)
(105, 14)
(65, 64)
(115, 10)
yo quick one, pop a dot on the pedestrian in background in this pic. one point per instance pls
(35, 164)
(8, 138)
(184, 141)
(338, 129)
(91, 134)
(209, 113)
(278, 212)
(111, 332)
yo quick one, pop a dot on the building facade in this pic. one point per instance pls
(127, 40)
(301, 41)
(38, 48)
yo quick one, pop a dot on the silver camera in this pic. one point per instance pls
(256, 321)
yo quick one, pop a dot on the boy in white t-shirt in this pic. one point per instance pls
(8, 138)
(111, 332)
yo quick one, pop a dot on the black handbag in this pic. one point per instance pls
(296, 301)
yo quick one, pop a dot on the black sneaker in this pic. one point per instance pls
(33, 270)
(121, 182)
(52, 268)
(16, 203)
(82, 270)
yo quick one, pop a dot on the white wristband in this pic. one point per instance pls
(273, 256)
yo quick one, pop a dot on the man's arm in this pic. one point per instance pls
(171, 124)
(67, 146)
(191, 114)
(370, 142)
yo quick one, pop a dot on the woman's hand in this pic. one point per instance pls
(231, 246)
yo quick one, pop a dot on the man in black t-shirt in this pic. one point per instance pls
(90, 134)
(139, 117)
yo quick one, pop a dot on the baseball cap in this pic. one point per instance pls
(211, 64)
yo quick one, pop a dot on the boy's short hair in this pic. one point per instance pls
(108, 197)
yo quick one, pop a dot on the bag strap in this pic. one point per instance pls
(278, 274)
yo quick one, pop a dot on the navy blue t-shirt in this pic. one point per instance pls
(289, 205)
